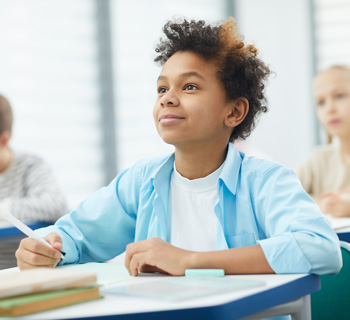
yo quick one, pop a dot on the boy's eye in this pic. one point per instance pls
(162, 90)
(191, 87)
(340, 96)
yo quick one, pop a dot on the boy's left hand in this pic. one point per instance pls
(156, 255)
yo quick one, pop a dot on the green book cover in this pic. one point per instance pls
(46, 300)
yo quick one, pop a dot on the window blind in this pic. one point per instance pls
(49, 72)
(332, 32)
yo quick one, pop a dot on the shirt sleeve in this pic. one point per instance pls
(43, 199)
(299, 238)
(101, 226)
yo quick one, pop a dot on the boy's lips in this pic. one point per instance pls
(167, 118)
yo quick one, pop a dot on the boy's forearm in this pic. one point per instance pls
(233, 261)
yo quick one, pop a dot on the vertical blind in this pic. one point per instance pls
(49, 72)
(332, 32)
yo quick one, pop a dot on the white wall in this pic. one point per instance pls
(137, 27)
(49, 71)
(281, 31)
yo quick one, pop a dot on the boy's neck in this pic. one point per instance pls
(5, 159)
(199, 163)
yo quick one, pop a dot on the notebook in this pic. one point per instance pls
(43, 279)
(182, 288)
(17, 306)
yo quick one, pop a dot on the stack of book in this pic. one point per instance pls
(35, 290)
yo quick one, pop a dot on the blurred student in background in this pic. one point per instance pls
(325, 174)
(28, 189)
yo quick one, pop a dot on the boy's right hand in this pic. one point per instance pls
(34, 254)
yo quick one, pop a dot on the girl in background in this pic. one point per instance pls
(325, 174)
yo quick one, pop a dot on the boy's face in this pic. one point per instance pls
(332, 94)
(191, 103)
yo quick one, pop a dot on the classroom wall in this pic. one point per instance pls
(136, 29)
(49, 71)
(281, 31)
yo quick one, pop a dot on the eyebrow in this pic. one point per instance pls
(185, 75)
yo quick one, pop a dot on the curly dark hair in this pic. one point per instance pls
(240, 71)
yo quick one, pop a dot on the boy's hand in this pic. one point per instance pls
(33, 254)
(156, 255)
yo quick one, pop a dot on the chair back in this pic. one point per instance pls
(333, 300)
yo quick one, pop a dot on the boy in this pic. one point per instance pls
(206, 205)
(27, 187)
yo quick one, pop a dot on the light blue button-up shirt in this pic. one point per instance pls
(260, 202)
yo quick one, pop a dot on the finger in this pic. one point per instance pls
(142, 262)
(128, 257)
(134, 264)
(146, 268)
(28, 259)
(30, 248)
(35, 258)
(55, 240)
(328, 195)
(25, 265)
(131, 250)
(138, 263)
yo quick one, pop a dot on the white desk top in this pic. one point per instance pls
(133, 306)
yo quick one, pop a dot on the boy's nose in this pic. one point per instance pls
(169, 100)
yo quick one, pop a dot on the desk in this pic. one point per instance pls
(344, 234)
(8, 230)
(279, 289)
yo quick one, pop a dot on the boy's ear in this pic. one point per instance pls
(238, 111)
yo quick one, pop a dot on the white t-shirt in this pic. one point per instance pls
(193, 221)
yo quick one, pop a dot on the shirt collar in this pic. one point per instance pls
(229, 174)
(163, 174)
(231, 169)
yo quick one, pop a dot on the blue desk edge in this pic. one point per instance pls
(12, 231)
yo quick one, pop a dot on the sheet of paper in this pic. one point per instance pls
(107, 273)
(338, 223)
(181, 288)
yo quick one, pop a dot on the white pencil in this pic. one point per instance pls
(26, 230)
